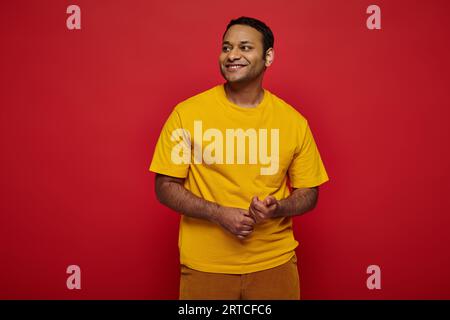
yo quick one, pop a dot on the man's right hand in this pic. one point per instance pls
(237, 221)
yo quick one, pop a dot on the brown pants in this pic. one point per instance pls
(278, 283)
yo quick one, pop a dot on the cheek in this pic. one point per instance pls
(257, 65)
(222, 58)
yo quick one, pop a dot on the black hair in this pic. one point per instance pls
(267, 34)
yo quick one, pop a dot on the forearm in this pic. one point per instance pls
(298, 202)
(178, 198)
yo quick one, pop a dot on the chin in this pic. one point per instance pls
(236, 79)
(231, 78)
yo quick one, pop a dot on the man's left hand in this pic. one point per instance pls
(265, 209)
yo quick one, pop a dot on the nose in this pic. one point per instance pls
(234, 54)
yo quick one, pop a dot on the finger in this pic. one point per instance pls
(261, 218)
(256, 212)
(246, 227)
(251, 213)
(243, 235)
(258, 217)
(252, 203)
(257, 205)
(260, 206)
(269, 200)
(255, 200)
(273, 206)
(249, 221)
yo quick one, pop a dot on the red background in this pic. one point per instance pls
(81, 112)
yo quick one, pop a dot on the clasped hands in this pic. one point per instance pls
(240, 222)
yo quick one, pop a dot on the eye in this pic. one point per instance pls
(246, 48)
(225, 49)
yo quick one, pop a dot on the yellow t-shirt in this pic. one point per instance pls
(228, 154)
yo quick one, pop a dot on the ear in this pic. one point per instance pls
(270, 55)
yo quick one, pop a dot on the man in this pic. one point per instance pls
(223, 161)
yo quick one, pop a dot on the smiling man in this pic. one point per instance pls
(224, 160)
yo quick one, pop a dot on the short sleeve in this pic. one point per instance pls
(306, 169)
(172, 151)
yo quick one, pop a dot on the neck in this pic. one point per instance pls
(247, 95)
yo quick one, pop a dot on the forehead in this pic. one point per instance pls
(239, 33)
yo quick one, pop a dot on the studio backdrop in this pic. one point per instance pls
(86, 87)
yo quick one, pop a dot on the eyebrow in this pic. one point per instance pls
(241, 42)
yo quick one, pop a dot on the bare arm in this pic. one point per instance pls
(300, 201)
(171, 192)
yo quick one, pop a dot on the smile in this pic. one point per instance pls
(235, 67)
